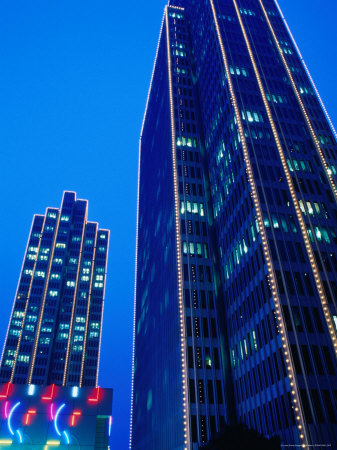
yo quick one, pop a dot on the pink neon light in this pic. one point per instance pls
(51, 411)
(6, 409)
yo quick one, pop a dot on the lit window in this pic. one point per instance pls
(53, 293)
(23, 358)
(80, 319)
(40, 273)
(63, 336)
(77, 348)
(93, 334)
(55, 276)
(58, 261)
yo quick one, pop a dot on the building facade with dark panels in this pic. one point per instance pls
(54, 331)
(236, 285)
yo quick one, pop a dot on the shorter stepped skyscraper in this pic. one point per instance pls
(55, 328)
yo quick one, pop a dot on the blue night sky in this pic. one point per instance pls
(74, 77)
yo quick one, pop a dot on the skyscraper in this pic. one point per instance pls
(54, 331)
(236, 269)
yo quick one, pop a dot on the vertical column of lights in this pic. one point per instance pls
(17, 288)
(137, 225)
(178, 245)
(294, 391)
(304, 111)
(88, 308)
(71, 325)
(264, 239)
(28, 295)
(101, 321)
(312, 259)
(37, 334)
(306, 69)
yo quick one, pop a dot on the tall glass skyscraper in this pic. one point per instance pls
(236, 265)
(54, 331)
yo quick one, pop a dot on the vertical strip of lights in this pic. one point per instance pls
(27, 300)
(312, 132)
(137, 225)
(294, 390)
(102, 311)
(71, 325)
(178, 245)
(17, 288)
(264, 239)
(306, 69)
(88, 308)
(37, 334)
(318, 281)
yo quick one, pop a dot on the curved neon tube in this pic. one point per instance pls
(56, 417)
(10, 417)
(20, 436)
(67, 437)
(52, 411)
(6, 410)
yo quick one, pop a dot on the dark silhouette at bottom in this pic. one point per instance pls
(237, 437)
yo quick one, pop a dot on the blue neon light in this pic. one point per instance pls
(110, 423)
(31, 389)
(20, 436)
(74, 391)
(10, 417)
(67, 437)
(56, 417)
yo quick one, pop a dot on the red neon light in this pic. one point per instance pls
(5, 390)
(30, 412)
(95, 396)
(50, 394)
(75, 414)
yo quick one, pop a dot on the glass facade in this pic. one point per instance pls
(236, 269)
(54, 331)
